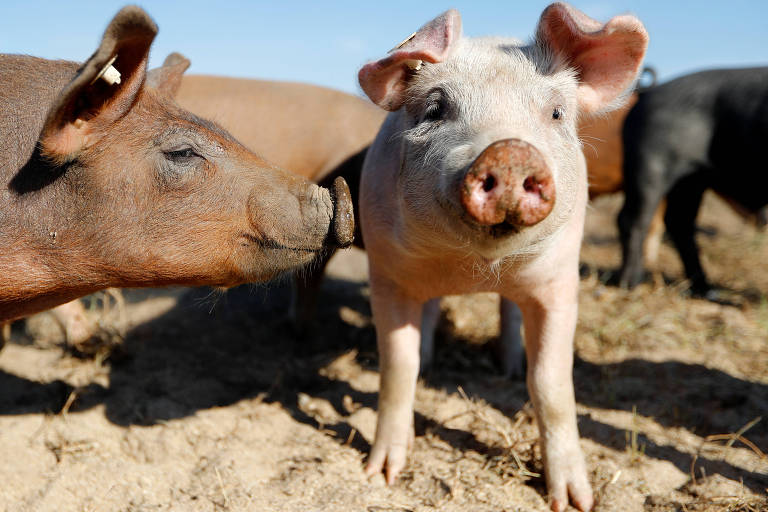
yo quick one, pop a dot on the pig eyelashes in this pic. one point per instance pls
(180, 165)
(436, 107)
(180, 156)
(433, 112)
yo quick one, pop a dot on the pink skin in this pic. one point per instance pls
(434, 224)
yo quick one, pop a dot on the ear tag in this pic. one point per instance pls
(414, 64)
(403, 42)
(108, 73)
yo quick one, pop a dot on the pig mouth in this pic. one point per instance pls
(269, 243)
(500, 230)
(494, 231)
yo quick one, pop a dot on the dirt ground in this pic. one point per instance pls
(209, 401)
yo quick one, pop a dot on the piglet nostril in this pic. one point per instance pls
(489, 183)
(532, 185)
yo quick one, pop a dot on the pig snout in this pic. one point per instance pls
(302, 216)
(343, 222)
(508, 182)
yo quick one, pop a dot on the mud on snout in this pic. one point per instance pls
(507, 188)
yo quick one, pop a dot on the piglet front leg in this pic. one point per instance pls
(549, 316)
(397, 319)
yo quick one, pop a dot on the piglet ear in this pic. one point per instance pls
(606, 56)
(104, 88)
(167, 78)
(386, 80)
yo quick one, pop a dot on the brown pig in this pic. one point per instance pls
(108, 182)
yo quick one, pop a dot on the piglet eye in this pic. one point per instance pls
(433, 112)
(557, 113)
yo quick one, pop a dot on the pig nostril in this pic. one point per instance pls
(532, 185)
(489, 183)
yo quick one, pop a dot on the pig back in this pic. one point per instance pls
(306, 129)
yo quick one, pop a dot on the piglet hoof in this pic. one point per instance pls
(388, 456)
(390, 459)
(569, 479)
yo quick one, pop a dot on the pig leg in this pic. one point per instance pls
(73, 320)
(683, 203)
(550, 323)
(508, 350)
(397, 319)
(655, 235)
(430, 315)
(641, 200)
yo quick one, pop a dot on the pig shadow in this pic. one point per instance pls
(702, 400)
(215, 349)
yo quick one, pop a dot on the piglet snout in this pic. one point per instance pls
(509, 182)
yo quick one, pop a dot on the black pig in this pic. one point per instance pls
(701, 131)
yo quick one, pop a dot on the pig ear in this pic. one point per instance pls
(606, 56)
(98, 96)
(167, 78)
(386, 80)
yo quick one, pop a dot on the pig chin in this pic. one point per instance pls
(265, 261)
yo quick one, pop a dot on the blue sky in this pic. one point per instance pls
(326, 42)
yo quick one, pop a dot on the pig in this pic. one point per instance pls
(697, 132)
(108, 182)
(476, 182)
(315, 132)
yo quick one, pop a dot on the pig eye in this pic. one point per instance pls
(557, 113)
(433, 112)
(181, 155)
